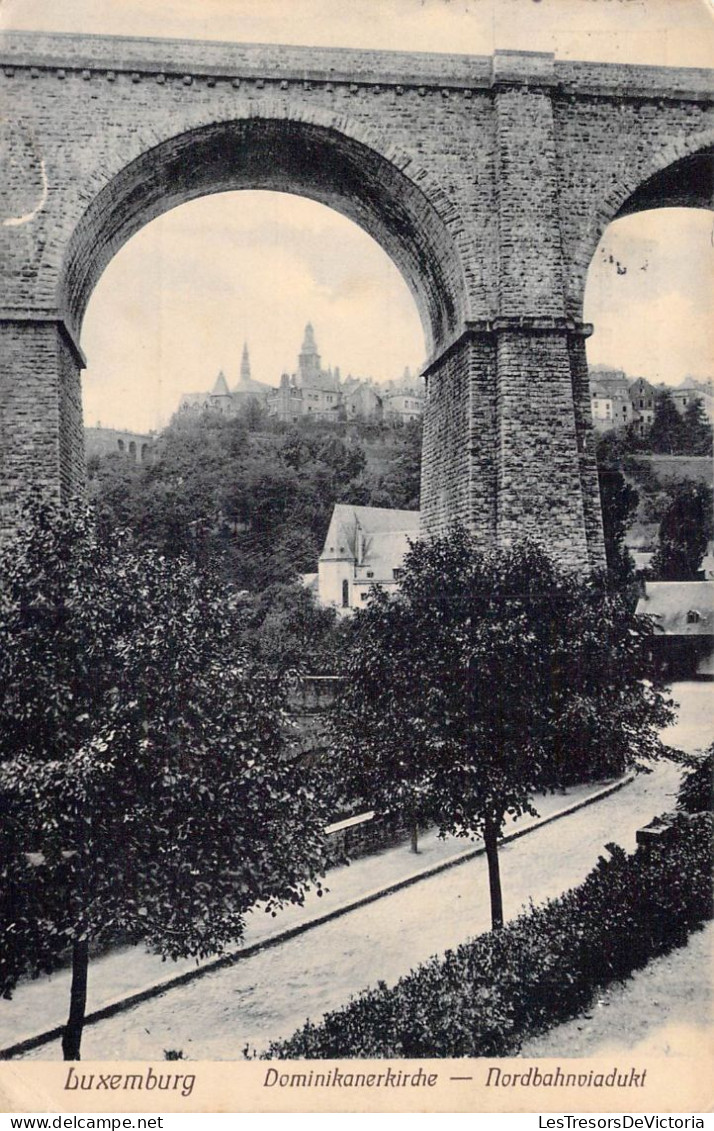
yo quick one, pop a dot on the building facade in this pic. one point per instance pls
(223, 399)
(364, 546)
(312, 392)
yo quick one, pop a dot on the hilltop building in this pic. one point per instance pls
(610, 398)
(618, 400)
(690, 391)
(223, 399)
(313, 392)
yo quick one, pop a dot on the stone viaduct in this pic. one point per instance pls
(489, 182)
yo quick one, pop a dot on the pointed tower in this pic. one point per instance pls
(220, 387)
(245, 377)
(308, 359)
(220, 395)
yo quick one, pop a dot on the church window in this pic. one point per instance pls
(345, 594)
(120, 445)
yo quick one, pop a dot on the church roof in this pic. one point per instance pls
(220, 386)
(375, 537)
(188, 400)
(682, 608)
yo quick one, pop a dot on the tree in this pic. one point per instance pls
(697, 430)
(666, 433)
(403, 477)
(490, 676)
(685, 530)
(619, 502)
(292, 634)
(147, 787)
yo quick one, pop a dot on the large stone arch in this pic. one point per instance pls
(318, 156)
(680, 174)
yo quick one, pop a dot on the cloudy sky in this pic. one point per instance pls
(178, 301)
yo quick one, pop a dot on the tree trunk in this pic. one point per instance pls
(490, 837)
(414, 832)
(72, 1036)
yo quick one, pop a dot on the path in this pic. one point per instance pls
(271, 993)
(40, 1006)
(664, 1009)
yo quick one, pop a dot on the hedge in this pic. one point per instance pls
(486, 997)
(696, 793)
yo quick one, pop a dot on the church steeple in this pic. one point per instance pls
(245, 366)
(309, 358)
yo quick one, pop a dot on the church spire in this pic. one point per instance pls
(245, 366)
(309, 358)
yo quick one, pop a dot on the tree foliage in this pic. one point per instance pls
(146, 784)
(686, 527)
(666, 433)
(488, 677)
(250, 499)
(290, 633)
(697, 430)
(619, 503)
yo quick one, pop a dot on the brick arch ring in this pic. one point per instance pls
(615, 203)
(323, 156)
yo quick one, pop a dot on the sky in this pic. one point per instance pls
(179, 300)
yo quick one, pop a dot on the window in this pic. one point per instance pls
(363, 596)
(693, 617)
(345, 594)
(397, 574)
(120, 445)
(370, 573)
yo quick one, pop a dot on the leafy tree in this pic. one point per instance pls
(490, 676)
(696, 793)
(146, 786)
(685, 530)
(615, 444)
(619, 504)
(291, 633)
(666, 433)
(697, 430)
(402, 479)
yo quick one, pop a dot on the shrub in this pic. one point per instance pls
(696, 793)
(487, 996)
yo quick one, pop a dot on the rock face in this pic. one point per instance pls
(489, 182)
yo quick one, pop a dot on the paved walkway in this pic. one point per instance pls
(268, 994)
(39, 1006)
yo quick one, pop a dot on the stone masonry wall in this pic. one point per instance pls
(459, 446)
(71, 445)
(29, 412)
